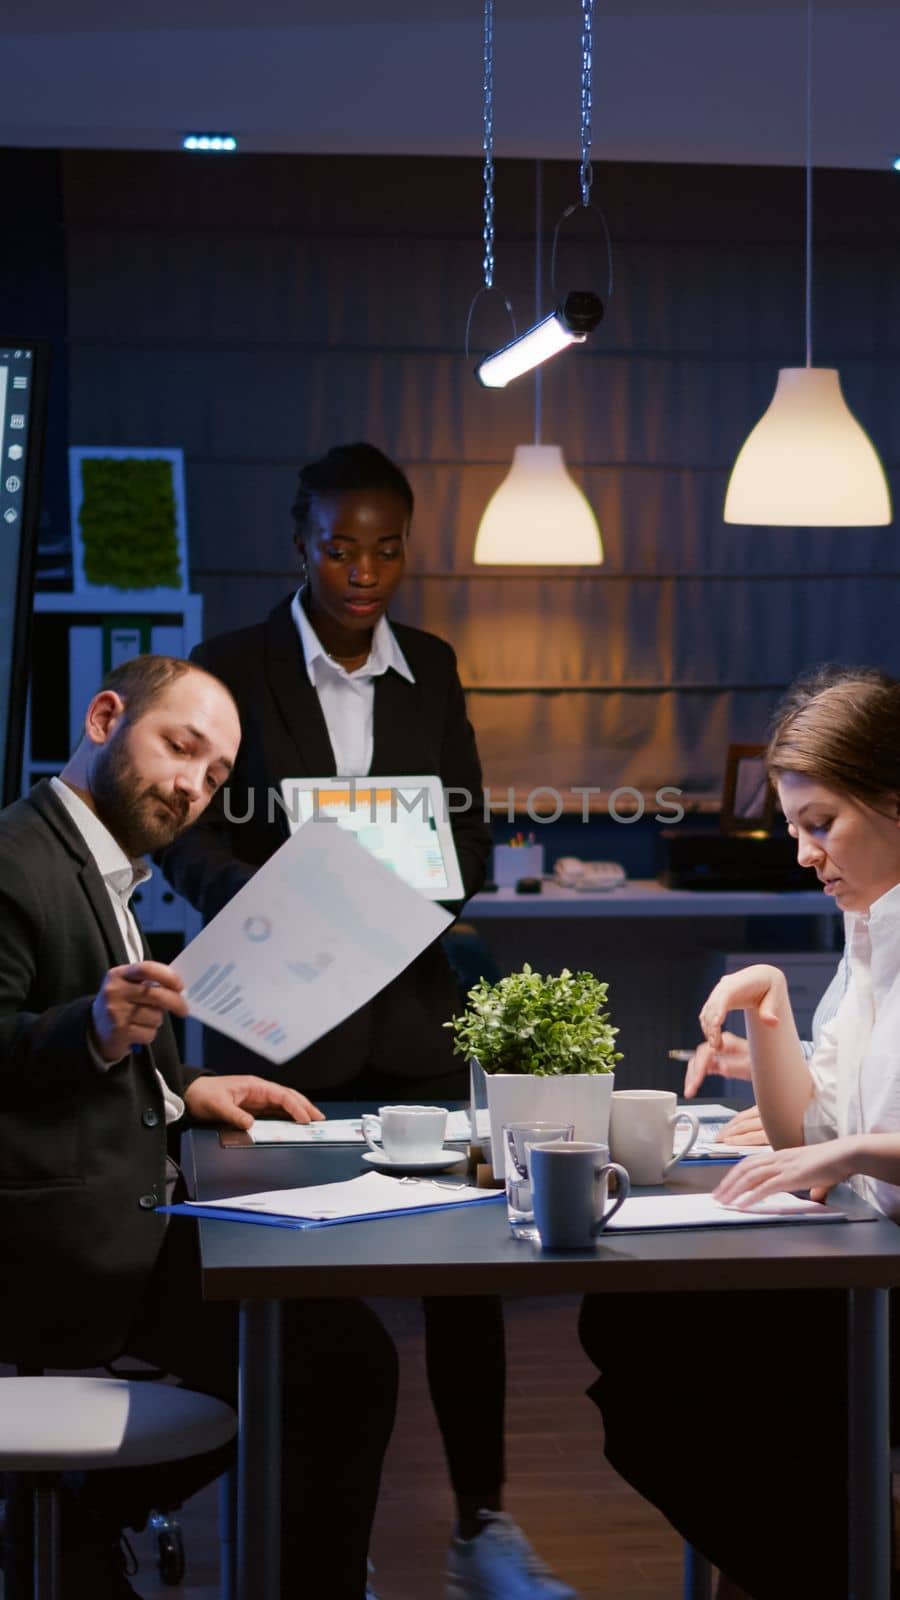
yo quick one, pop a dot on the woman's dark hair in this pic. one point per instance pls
(840, 726)
(345, 469)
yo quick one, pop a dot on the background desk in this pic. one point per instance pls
(661, 950)
(644, 897)
(472, 1252)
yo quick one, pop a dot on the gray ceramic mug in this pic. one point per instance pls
(570, 1186)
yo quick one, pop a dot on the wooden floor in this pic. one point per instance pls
(586, 1523)
(592, 1529)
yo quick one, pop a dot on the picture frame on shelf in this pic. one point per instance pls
(748, 799)
(129, 522)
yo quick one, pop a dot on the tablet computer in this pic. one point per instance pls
(402, 821)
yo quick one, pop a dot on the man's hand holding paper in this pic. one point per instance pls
(319, 930)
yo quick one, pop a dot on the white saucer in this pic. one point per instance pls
(385, 1163)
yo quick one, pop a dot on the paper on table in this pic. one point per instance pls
(707, 1147)
(702, 1211)
(712, 1119)
(459, 1127)
(373, 1194)
(706, 1111)
(317, 931)
(344, 1130)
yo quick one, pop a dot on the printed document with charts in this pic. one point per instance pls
(319, 930)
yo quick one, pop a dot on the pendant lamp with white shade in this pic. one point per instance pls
(538, 516)
(808, 462)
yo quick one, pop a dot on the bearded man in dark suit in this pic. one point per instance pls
(92, 1093)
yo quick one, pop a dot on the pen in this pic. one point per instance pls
(681, 1055)
(149, 983)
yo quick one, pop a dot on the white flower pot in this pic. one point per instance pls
(583, 1099)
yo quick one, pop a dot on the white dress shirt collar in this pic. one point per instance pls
(385, 652)
(115, 867)
(884, 911)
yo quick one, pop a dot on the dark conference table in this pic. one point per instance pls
(471, 1251)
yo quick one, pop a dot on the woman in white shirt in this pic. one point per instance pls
(768, 1504)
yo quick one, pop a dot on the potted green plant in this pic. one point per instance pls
(547, 1048)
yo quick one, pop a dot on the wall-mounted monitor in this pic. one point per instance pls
(23, 398)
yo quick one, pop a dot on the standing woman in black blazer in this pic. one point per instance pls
(326, 687)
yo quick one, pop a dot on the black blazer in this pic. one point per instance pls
(82, 1152)
(419, 727)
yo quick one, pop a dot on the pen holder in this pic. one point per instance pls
(512, 862)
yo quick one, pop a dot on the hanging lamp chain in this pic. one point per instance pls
(488, 143)
(488, 170)
(587, 103)
(807, 274)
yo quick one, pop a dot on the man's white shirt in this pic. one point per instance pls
(121, 877)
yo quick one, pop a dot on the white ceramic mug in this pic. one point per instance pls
(570, 1192)
(642, 1125)
(408, 1133)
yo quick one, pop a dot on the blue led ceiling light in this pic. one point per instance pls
(217, 143)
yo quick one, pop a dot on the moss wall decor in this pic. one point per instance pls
(128, 520)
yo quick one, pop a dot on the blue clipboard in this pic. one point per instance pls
(271, 1220)
(714, 1161)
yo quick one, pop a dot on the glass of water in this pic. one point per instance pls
(518, 1137)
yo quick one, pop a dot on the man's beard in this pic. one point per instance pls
(139, 818)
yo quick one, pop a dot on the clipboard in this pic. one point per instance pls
(272, 1220)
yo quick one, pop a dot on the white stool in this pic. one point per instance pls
(54, 1425)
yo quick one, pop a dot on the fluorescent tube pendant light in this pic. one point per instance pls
(808, 462)
(569, 324)
(579, 311)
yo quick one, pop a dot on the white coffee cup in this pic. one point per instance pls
(570, 1190)
(408, 1133)
(642, 1125)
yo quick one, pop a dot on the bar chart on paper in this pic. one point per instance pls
(216, 990)
(314, 934)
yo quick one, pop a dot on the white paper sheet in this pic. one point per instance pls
(346, 1130)
(712, 1119)
(318, 930)
(706, 1147)
(369, 1195)
(458, 1125)
(702, 1211)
